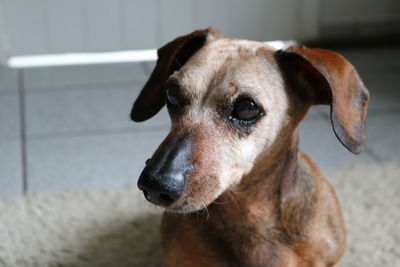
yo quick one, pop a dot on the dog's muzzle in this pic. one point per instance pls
(163, 179)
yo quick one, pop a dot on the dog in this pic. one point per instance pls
(236, 189)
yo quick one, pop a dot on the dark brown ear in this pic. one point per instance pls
(325, 77)
(171, 57)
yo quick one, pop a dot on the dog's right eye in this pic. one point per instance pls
(245, 110)
(174, 97)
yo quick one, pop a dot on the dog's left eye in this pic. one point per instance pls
(245, 110)
(174, 97)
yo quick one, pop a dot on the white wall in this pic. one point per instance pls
(56, 26)
(359, 18)
(360, 11)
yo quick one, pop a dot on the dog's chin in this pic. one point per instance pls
(185, 208)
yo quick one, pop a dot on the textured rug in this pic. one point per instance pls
(117, 228)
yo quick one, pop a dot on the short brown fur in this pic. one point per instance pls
(254, 199)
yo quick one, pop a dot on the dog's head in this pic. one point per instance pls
(232, 103)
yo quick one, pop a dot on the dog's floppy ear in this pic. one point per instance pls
(171, 57)
(325, 77)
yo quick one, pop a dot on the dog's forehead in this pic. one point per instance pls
(224, 60)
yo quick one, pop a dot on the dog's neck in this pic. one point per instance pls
(274, 166)
(272, 205)
(276, 170)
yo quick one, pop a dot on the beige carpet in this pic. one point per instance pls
(116, 228)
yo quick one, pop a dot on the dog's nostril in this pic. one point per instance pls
(147, 161)
(165, 198)
(145, 193)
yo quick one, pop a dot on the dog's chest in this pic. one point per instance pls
(184, 245)
(187, 242)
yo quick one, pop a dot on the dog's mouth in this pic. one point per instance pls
(184, 208)
(179, 210)
(185, 201)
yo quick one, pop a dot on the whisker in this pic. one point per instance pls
(219, 202)
(206, 210)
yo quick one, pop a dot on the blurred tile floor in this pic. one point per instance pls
(77, 133)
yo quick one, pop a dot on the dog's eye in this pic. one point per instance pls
(174, 97)
(245, 110)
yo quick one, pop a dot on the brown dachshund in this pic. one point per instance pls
(236, 189)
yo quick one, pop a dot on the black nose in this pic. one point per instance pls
(161, 190)
(163, 179)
